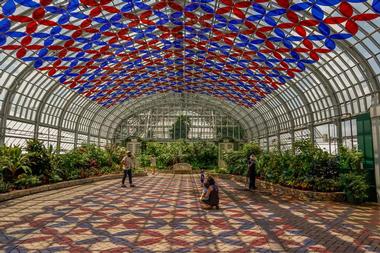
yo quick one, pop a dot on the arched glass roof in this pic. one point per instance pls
(71, 70)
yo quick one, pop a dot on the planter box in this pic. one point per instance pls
(60, 185)
(280, 190)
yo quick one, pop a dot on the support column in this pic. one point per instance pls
(312, 133)
(375, 121)
(339, 133)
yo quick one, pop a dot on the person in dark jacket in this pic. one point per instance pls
(210, 198)
(252, 172)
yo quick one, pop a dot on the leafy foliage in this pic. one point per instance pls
(198, 154)
(355, 187)
(144, 160)
(39, 158)
(41, 165)
(25, 181)
(350, 160)
(237, 160)
(304, 167)
(4, 186)
(13, 163)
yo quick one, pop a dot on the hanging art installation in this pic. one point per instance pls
(114, 50)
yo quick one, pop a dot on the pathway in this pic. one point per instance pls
(162, 214)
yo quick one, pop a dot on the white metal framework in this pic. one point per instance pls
(331, 91)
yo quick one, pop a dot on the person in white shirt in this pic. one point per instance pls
(128, 164)
(153, 164)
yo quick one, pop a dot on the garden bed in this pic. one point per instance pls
(280, 190)
(25, 192)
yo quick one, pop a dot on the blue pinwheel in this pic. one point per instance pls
(268, 17)
(300, 63)
(222, 22)
(199, 4)
(5, 25)
(284, 39)
(327, 37)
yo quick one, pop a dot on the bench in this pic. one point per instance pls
(182, 168)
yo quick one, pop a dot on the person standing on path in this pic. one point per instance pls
(153, 164)
(252, 172)
(202, 176)
(128, 164)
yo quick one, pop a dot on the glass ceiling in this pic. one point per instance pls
(71, 69)
(112, 51)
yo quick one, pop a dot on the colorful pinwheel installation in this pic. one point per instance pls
(115, 50)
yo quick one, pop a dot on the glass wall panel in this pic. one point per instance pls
(286, 141)
(176, 122)
(273, 143)
(326, 137)
(349, 134)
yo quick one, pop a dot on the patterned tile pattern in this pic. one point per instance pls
(162, 214)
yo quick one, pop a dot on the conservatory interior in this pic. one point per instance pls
(274, 103)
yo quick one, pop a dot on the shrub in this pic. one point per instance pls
(237, 161)
(221, 171)
(94, 156)
(144, 160)
(305, 167)
(115, 153)
(325, 185)
(106, 170)
(13, 163)
(4, 186)
(202, 155)
(355, 187)
(38, 159)
(26, 181)
(269, 166)
(71, 164)
(198, 154)
(54, 178)
(349, 160)
(251, 148)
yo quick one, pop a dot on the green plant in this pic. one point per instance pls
(54, 178)
(325, 185)
(355, 187)
(251, 148)
(115, 153)
(221, 170)
(13, 163)
(202, 155)
(38, 159)
(106, 170)
(349, 160)
(4, 186)
(71, 164)
(144, 160)
(138, 171)
(25, 181)
(236, 162)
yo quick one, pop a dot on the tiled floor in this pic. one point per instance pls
(163, 214)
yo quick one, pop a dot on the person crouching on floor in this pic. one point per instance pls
(210, 197)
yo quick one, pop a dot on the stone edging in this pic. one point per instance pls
(280, 190)
(21, 193)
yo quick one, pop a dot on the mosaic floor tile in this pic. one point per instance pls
(163, 214)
